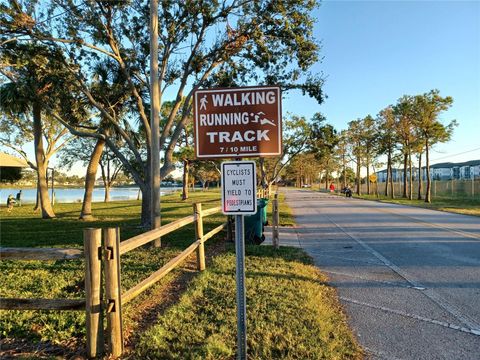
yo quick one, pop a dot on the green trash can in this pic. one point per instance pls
(254, 224)
(262, 205)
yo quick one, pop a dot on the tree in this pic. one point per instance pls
(80, 150)
(387, 142)
(186, 156)
(428, 108)
(206, 172)
(185, 153)
(296, 139)
(405, 128)
(35, 77)
(357, 150)
(341, 152)
(304, 169)
(323, 141)
(109, 89)
(110, 169)
(347, 177)
(369, 136)
(270, 43)
(16, 131)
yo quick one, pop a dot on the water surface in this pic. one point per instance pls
(70, 195)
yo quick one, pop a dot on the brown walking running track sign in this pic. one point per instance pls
(238, 122)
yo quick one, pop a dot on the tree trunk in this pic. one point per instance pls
(107, 192)
(392, 187)
(86, 213)
(358, 175)
(405, 166)
(46, 206)
(420, 183)
(37, 199)
(263, 173)
(146, 212)
(427, 169)
(389, 167)
(186, 167)
(368, 176)
(376, 180)
(410, 176)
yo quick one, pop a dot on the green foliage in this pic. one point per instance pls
(347, 177)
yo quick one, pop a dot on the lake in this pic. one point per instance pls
(70, 195)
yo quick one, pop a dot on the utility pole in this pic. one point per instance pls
(154, 120)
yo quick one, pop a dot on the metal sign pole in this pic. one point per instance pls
(241, 298)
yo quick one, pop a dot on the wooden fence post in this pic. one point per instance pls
(111, 238)
(275, 221)
(197, 210)
(229, 228)
(92, 241)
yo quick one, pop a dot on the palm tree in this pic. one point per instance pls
(30, 91)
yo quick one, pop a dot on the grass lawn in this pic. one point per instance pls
(291, 312)
(65, 279)
(466, 206)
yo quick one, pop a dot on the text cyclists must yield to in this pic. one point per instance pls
(239, 190)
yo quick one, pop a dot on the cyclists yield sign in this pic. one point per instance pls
(238, 122)
(239, 189)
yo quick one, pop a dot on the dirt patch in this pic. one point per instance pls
(162, 297)
(22, 348)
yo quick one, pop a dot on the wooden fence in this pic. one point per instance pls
(108, 301)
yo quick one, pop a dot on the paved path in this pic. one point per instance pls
(409, 278)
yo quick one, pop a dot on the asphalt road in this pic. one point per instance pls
(409, 278)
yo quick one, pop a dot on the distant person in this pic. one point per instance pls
(10, 202)
(332, 187)
(348, 192)
(19, 198)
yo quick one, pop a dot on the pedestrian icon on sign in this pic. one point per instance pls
(203, 103)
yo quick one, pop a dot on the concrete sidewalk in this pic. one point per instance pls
(287, 236)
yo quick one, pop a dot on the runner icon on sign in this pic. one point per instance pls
(203, 103)
(262, 121)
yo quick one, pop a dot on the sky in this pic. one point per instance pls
(373, 52)
(376, 51)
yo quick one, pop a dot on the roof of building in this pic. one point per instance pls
(7, 160)
(444, 165)
(449, 165)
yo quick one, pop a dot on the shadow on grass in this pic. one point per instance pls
(266, 251)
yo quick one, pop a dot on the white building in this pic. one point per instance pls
(443, 171)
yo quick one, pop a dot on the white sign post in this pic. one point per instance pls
(239, 197)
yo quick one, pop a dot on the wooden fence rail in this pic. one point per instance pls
(108, 301)
(164, 270)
